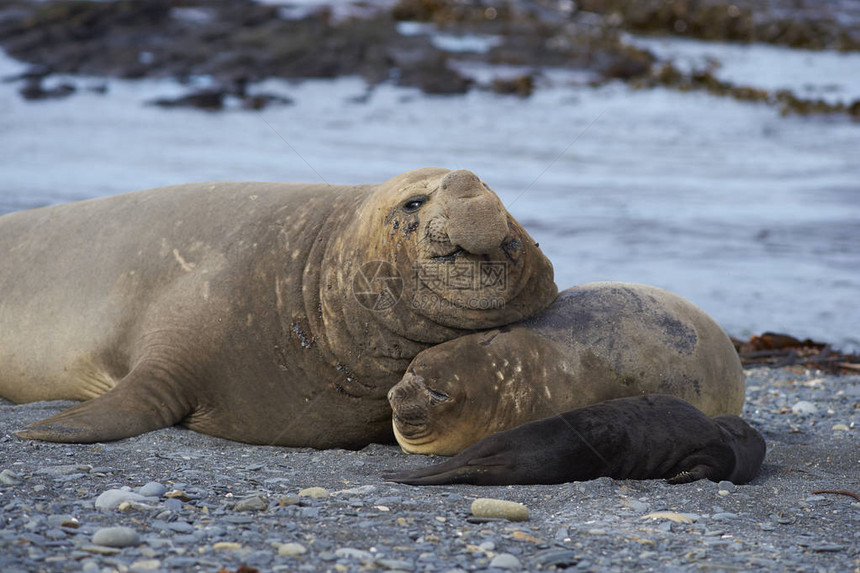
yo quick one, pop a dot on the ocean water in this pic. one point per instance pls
(753, 216)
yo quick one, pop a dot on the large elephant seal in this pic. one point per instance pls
(596, 342)
(262, 312)
(644, 437)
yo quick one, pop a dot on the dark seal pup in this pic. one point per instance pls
(644, 437)
(269, 313)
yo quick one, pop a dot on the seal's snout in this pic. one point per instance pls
(409, 387)
(478, 222)
(409, 399)
(463, 184)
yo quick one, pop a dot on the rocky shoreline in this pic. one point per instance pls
(426, 44)
(187, 502)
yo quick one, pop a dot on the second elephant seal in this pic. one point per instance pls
(596, 342)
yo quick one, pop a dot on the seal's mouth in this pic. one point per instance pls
(452, 256)
(511, 248)
(411, 429)
(437, 397)
(401, 421)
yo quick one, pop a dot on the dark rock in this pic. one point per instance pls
(33, 90)
(521, 86)
(433, 76)
(209, 100)
(260, 101)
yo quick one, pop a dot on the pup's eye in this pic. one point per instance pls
(414, 204)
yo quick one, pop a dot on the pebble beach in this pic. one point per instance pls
(708, 148)
(175, 500)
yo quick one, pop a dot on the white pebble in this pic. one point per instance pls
(113, 497)
(8, 477)
(726, 486)
(498, 508)
(350, 553)
(360, 490)
(116, 537)
(506, 561)
(152, 489)
(251, 503)
(805, 408)
(145, 565)
(291, 549)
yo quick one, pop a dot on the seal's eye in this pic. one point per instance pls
(414, 203)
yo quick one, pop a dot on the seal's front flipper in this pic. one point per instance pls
(139, 403)
(700, 471)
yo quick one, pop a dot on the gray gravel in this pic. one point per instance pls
(197, 503)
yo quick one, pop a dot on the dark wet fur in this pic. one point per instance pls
(646, 437)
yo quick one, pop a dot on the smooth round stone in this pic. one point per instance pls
(116, 537)
(286, 500)
(360, 490)
(726, 485)
(314, 492)
(291, 549)
(145, 565)
(181, 527)
(805, 408)
(498, 508)
(112, 498)
(64, 521)
(100, 549)
(395, 564)
(252, 503)
(352, 553)
(152, 489)
(8, 477)
(506, 561)
(173, 504)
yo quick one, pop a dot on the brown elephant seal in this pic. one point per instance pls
(261, 312)
(643, 437)
(596, 342)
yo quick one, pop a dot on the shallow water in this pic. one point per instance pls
(831, 76)
(754, 217)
